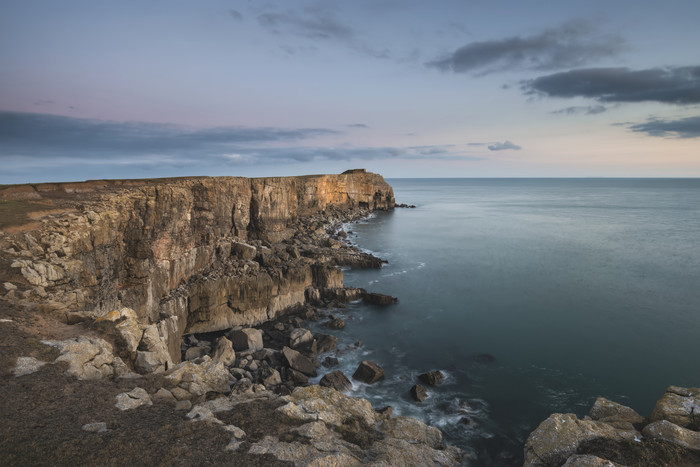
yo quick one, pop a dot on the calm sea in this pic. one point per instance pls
(576, 288)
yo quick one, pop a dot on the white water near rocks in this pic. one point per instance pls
(577, 288)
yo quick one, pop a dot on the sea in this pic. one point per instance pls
(531, 296)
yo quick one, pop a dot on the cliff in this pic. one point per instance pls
(186, 254)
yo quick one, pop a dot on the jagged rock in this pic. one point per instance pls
(148, 362)
(158, 360)
(26, 366)
(609, 411)
(246, 339)
(558, 437)
(88, 358)
(180, 394)
(270, 377)
(133, 399)
(336, 323)
(304, 454)
(193, 353)
(368, 372)
(183, 405)
(163, 395)
(680, 406)
(299, 337)
(328, 405)
(223, 351)
(330, 362)
(243, 250)
(393, 451)
(673, 433)
(297, 377)
(431, 378)
(336, 380)
(199, 379)
(412, 430)
(419, 393)
(325, 342)
(125, 322)
(299, 362)
(586, 460)
(379, 299)
(95, 427)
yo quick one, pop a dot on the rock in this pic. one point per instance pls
(419, 392)
(270, 377)
(680, 406)
(223, 351)
(148, 362)
(431, 378)
(26, 366)
(325, 342)
(368, 372)
(163, 396)
(133, 399)
(180, 394)
(88, 358)
(379, 299)
(609, 411)
(587, 460)
(336, 323)
(297, 361)
(334, 454)
(297, 377)
(9, 286)
(413, 430)
(673, 433)
(246, 339)
(312, 430)
(95, 427)
(125, 322)
(328, 405)
(336, 380)
(199, 379)
(330, 362)
(558, 437)
(299, 337)
(243, 250)
(158, 360)
(183, 405)
(193, 353)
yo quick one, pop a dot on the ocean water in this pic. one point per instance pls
(576, 288)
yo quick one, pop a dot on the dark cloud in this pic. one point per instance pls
(688, 127)
(357, 125)
(586, 110)
(46, 135)
(235, 14)
(504, 146)
(678, 85)
(571, 45)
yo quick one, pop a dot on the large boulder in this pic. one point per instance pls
(680, 406)
(368, 372)
(243, 251)
(223, 351)
(199, 378)
(559, 436)
(325, 342)
(336, 380)
(153, 355)
(328, 405)
(89, 358)
(412, 430)
(431, 378)
(299, 362)
(246, 339)
(673, 433)
(133, 399)
(608, 411)
(124, 322)
(299, 336)
(419, 393)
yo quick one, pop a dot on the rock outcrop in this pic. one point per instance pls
(613, 434)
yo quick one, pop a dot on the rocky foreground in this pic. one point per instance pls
(162, 322)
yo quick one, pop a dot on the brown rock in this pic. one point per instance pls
(299, 362)
(368, 372)
(379, 299)
(419, 392)
(336, 380)
(431, 378)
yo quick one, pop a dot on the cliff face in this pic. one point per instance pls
(187, 255)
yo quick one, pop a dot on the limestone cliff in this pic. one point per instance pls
(186, 254)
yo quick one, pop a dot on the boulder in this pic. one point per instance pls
(26, 366)
(379, 299)
(336, 380)
(223, 351)
(199, 379)
(243, 251)
(413, 431)
(95, 427)
(152, 341)
(299, 362)
(330, 361)
(133, 399)
(125, 323)
(419, 393)
(148, 362)
(246, 339)
(270, 377)
(193, 353)
(336, 323)
(163, 395)
(394, 451)
(297, 377)
(431, 378)
(89, 358)
(680, 406)
(587, 460)
(673, 433)
(609, 411)
(368, 372)
(559, 436)
(325, 342)
(299, 337)
(328, 405)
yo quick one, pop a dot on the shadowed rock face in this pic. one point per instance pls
(189, 254)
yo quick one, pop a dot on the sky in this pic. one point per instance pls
(441, 88)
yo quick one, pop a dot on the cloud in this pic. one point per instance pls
(235, 14)
(313, 23)
(357, 125)
(47, 135)
(504, 146)
(673, 85)
(688, 127)
(570, 45)
(586, 110)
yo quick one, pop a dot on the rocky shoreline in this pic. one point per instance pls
(191, 296)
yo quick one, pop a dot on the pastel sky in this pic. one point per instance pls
(441, 88)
